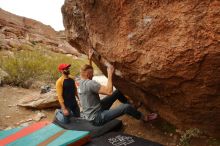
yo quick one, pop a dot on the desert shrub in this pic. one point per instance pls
(51, 71)
(24, 66)
(188, 135)
(41, 65)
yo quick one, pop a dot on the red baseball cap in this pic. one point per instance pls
(63, 66)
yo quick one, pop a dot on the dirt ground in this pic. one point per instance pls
(12, 115)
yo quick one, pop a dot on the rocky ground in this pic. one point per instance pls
(12, 115)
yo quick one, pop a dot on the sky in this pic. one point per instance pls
(45, 11)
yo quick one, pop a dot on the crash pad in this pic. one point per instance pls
(121, 139)
(84, 125)
(5, 133)
(38, 135)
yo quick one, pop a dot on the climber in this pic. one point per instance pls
(98, 111)
(66, 92)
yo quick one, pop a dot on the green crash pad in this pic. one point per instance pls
(52, 134)
(6, 133)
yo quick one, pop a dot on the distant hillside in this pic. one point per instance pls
(17, 32)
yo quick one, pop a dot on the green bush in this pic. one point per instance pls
(55, 59)
(188, 135)
(40, 65)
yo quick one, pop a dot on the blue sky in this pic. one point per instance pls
(45, 11)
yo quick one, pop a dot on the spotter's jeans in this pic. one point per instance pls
(75, 112)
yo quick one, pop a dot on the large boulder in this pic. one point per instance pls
(166, 53)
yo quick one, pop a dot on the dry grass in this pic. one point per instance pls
(39, 64)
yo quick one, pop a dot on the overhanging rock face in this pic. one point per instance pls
(167, 53)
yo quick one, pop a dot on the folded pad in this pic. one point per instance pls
(84, 125)
(120, 139)
(41, 134)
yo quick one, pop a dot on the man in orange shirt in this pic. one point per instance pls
(66, 92)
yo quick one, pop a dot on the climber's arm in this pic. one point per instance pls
(108, 89)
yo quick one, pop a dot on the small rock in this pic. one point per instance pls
(8, 116)
(8, 128)
(25, 124)
(178, 131)
(10, 105)
(45, 89)
(39, 116)
(22, 121)
(69, 55)
(30, 119)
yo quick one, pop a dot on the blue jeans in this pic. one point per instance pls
(66, 119)
(106, 114)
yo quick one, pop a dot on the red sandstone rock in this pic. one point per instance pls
(16, 31)
(167, 53)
